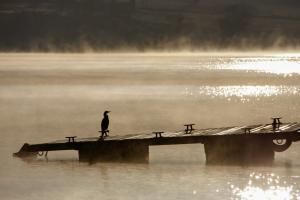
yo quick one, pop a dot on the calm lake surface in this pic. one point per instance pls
(45, 97)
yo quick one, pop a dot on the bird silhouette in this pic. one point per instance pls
(105, 124)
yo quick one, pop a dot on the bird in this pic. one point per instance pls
(105, 124)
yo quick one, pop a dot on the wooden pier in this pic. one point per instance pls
(255, 144)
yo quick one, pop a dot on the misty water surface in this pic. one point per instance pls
(46, 97)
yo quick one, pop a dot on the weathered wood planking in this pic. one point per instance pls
(227, 131)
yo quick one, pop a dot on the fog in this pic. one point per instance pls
(45, 97)
(48, 96)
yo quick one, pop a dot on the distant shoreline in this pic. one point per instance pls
(142, 26)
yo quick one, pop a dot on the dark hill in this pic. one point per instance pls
(77, 25)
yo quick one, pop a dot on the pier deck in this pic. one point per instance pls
(228, 145)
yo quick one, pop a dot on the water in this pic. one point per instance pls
(45, 97)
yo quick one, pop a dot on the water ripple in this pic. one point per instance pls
(243, 93)
(266, 187)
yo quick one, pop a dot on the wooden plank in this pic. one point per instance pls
(256, 128)
(210, 132)
(287, 126)
(171, 134)
(231, 130)
(126, 137)
(143, 136)
(282, 128)
(293, 128)
(267, 128)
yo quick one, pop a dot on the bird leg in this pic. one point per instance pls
(105, 132)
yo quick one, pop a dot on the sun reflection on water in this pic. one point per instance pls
(286, 65)
(266, 187)
(242, 92)
(252, 90)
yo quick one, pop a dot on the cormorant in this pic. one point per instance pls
(104, 124)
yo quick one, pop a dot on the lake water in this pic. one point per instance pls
(45, 97)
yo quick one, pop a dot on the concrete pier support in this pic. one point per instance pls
(238, 150)
(114, 151)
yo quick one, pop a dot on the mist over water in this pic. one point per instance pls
(45, 97)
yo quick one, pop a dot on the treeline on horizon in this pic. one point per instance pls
(80, 25)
